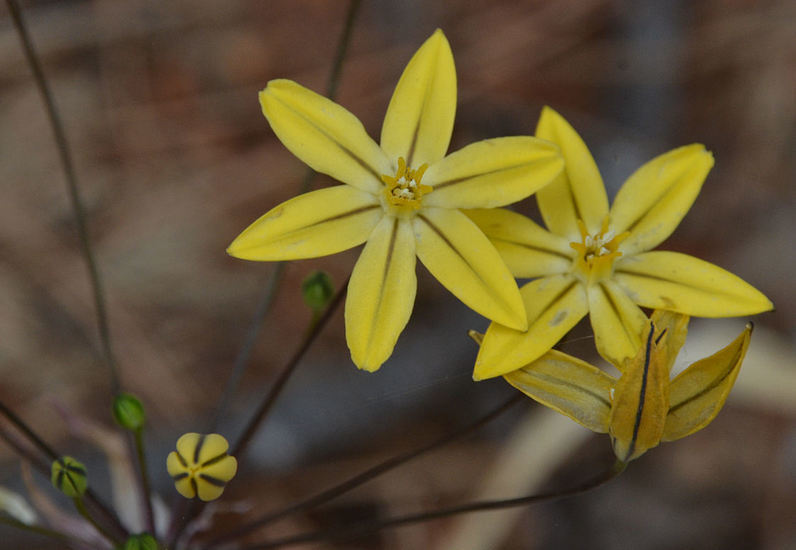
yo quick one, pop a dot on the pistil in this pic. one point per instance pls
(596, 253)
(404, 190)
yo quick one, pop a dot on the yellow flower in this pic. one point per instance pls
(595, 261)
(643, 407)
(201, 466)
(401, 197)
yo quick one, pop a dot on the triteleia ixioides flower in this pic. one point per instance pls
(401, 197)
(643, 406)
(201, 466)
(596, 261)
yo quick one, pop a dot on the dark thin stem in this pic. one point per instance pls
(146, 491)
(40, 530)
(264, 304)
(81, 508)
(344, 533)
(90, 496)
(183, 513)
(74, 193)
(367, 475)
(239, 448)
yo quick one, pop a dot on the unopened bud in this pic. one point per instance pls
(69, 477)
(144, 541)
(128, 412)
(317, 290)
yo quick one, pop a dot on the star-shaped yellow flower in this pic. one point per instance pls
(595, 261)
(401, 197)
(642, 407)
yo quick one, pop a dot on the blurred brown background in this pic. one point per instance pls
(159, 100)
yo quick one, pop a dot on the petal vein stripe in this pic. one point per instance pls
(334, 142)
(465, 179)
(551, 251)
(642, 393)
(716, 382)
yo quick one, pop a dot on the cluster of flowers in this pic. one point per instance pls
(405, 199)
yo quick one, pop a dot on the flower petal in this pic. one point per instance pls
(617, 322)
(419, 119)
(381, 293)
(640, 400)
(460, 256)
(578, 193)
(567, 385)
(675, 326)
(324, 135)
(654, 200)
(314, 224)
(493, 172)
(698, 393)
(554, 305)
(678, 282)
(528, 249)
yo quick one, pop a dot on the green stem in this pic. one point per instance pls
(146, 491)
(81, 508)
(39, 529)
(349, 532)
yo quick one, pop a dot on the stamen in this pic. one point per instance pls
(405, 188)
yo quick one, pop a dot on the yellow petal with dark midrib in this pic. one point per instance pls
(578, 192)
(698, 393)
(568, 385)
(419, 119)
(381, 293)
(528, 249)
(314, 224)
(460, 256)
(554, 305)
(640, 401)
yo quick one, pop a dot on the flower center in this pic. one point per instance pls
(404, 190)
(595, 254)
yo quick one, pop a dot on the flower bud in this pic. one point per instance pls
(69, 477)
(201, 466)
(317, 289)
(144, 541)
(128, 412)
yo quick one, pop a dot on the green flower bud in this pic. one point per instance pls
(128, 412)
(69, 477)
(144, 541)
(317, 289)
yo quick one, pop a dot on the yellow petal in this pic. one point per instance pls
(314, 224)
(567, 385)
(640, 401)
(675, 326)
(678, 282)
(187, 446)
(207, 491)
(528, 249)
(186, 487)
(222, 469)
(491, 173)
(617, 322)
(210, 447)
(174, 465)
(578, 193)
(554, 305)
(460, 256)
(324, 135)
(658, 195)
(419, 119)
(381, 293)
(699, 392)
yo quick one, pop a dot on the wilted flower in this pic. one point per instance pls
(643, 406)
